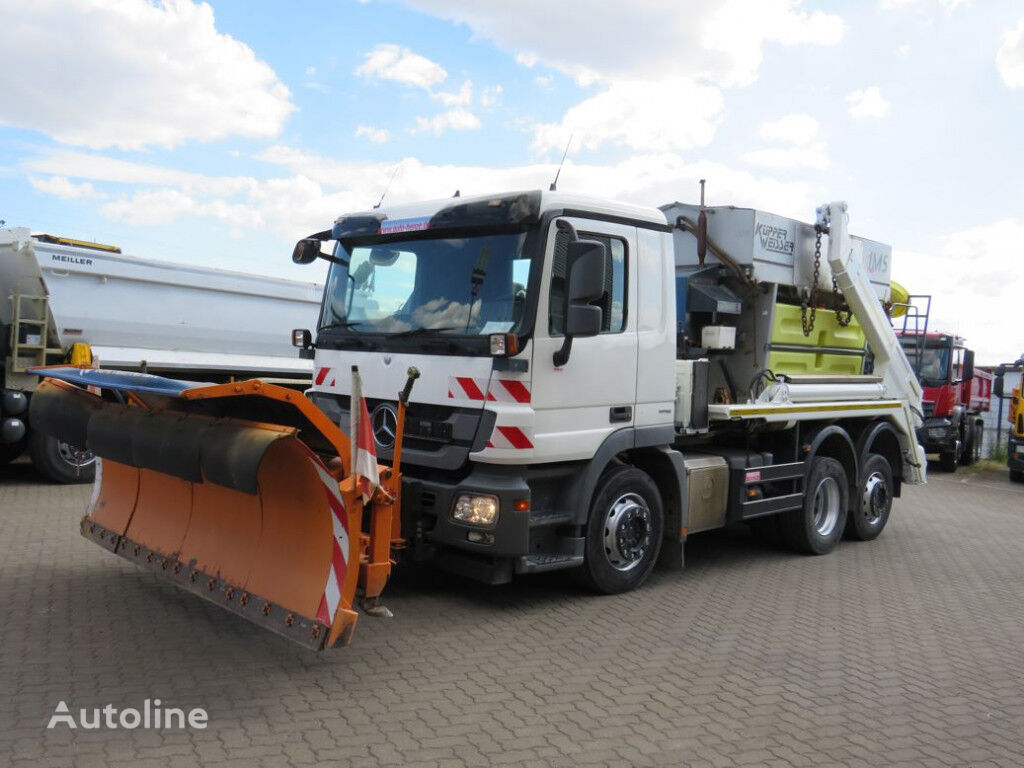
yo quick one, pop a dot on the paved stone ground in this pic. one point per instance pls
(905, 651)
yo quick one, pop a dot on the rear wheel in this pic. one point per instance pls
(819, 524)
(1016, 475)
(623, 533)
(59, 461)
(873, 503)
(972, 445)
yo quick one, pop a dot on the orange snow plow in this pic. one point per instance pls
(242, 493)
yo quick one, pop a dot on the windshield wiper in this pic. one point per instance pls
(421, 330)
(339, 324)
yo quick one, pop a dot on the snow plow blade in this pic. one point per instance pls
(225, 491)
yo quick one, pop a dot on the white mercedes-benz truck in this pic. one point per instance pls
(602, 380)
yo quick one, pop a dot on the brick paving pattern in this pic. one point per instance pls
(905, 651)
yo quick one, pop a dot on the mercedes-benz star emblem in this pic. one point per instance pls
(384, 423)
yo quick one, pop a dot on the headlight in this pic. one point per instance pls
(937, 432)
(476, 509)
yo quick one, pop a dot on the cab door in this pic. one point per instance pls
(579, 404)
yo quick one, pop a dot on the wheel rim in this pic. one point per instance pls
(876, 499)
(76, 457)
(627, 532)
(825, 504)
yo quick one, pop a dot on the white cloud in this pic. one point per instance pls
(457, 119)
(947, 5)
(376, 135)
(132, 74)
(392, 62)
(639, 114)
(64, 188)
(797, 128)
(460, 98)
(800, 132)
(867, 103)
(1010, 58)
(659, 66)
(150, 207)
(812, 156)
(976, 284)
(312, 190)
(490, 95)
(719, 41)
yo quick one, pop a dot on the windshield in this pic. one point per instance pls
(457, 285)
(933, 366)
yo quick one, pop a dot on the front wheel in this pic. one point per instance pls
(59, 461)
(947, 461)
(874, 503)
(818, 525)
(624, 531)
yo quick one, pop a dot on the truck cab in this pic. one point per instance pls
(955, 396)
(478, 295)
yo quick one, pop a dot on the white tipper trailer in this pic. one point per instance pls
(64, 300)
(600, 380)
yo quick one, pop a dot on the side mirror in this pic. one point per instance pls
(967, 372)
(302, 338)
(997, 383)
(306, 251)
(586, 262)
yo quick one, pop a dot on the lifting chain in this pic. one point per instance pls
(843, 312)
(807, 318)
(809, 308)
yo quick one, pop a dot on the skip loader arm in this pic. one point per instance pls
(225, 490)
(891, 362)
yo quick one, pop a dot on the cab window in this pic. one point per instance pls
(613, 302)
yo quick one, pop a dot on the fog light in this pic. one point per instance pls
(476, 509)
(479, 537)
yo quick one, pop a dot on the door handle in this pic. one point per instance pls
(618, 413)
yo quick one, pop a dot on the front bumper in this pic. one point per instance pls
(937, 435)
(1015, 454)
(535, 539)
(433, 536)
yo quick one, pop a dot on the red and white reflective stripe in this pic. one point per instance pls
(96, 487)
(322, 377)
(500, 391)
(509, 438)
(364, 451)
(339, 552)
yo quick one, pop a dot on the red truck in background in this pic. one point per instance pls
(955, 396)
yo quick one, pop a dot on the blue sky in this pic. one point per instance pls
(219, 133)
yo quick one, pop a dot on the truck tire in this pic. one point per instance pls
(60, 462)
(819, 524)
(948, 461)
(1016, 476)
(623, 532)
(972, 444)
(873, 503)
